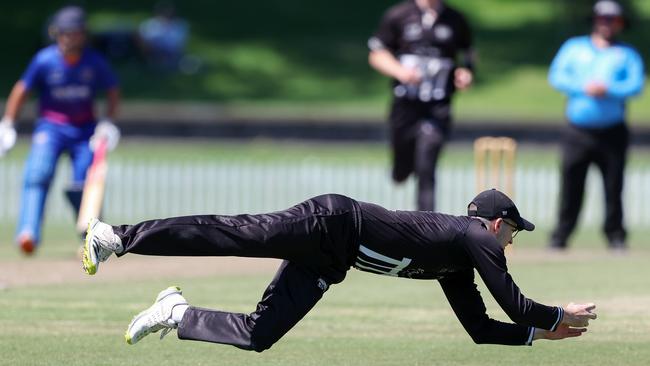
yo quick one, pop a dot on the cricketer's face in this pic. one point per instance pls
(505, 231)
(608, 27)
(71, 41)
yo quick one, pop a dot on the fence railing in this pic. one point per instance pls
(138, 190)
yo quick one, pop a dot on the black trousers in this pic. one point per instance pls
(318, 240)
(607, 149)
(418, 132)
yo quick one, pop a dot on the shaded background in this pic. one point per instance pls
(290, 59)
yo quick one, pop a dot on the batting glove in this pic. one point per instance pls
(7, 135)
(107, 130)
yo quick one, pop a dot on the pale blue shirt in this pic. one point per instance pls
(579, 62)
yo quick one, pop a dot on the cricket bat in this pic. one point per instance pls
(93, 193)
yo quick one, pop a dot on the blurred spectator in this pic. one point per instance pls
(163, 37)
(67, 77)
(417, 44)
(117, 41)
(597, 73)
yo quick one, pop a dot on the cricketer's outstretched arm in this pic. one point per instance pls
(466, 301)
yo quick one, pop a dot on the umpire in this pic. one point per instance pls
(598, 74)
(319, 240)
(417, 44)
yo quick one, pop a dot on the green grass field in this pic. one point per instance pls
(366, 320)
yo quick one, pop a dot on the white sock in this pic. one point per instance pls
(178, 311)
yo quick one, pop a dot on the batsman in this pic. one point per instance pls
(320, 240)
(67, 76)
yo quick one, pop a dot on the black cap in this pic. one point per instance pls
(492, 204)
(69, 18)
(608, 8)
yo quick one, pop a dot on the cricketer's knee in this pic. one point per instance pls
(38, 177)
(399, 176)
(262, 340)
(428, 146)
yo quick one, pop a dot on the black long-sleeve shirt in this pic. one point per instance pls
(428, 245)
(403, 30)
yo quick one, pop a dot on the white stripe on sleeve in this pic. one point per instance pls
(531, 334)
(560, 315)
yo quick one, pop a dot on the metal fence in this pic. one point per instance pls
(138, 190)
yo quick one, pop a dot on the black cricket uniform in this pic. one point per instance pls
(319, 240)
(420, 116)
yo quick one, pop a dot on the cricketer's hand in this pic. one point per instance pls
(7, 135)
(105, 129)
(562, 331)
(578, 315)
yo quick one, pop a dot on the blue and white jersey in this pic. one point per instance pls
(579, 62)
(66, 91)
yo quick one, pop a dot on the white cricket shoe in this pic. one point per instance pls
(99, 244)
(158, 316)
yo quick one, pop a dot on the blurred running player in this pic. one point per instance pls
(67, 77)
(417, 44)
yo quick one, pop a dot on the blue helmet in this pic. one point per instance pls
(69, 19)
